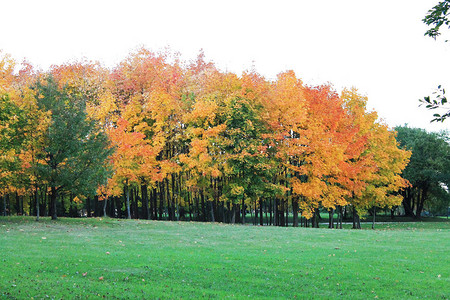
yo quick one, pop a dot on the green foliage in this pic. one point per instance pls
(74, 149)
(436, 17)
(12, 120)
(439, 102)
(430, 157)
(11, 123)
(96, 258)
(251, 169)
(428, 169)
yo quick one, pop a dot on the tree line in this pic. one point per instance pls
(160, 138)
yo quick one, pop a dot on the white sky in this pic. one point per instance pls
(376, 46)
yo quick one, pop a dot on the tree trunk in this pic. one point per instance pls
(295, 213)
(233, 214)
(374, 216)
(261, 219)
(155, 203)
(270, 212)
(112, 207)
(265, 212)
(190, 206)
(315, 221)
(127, 193)
(4, 205)
(243, 211)
(104, 206)
(407, 196)
(255, 220)
(213, 219)
(36, 194)
(161, 201)
(281, 213)
(202, 199)
(356, 220)
(331, 218)
(287, 213)
(275, 212)
(53, 197)
(168, 200)
(145, 205)
(421, 202)
(88, 207)
(136, 203)
(17, 204)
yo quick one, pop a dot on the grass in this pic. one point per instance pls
(95, 258)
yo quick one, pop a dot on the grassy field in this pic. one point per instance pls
(95, 258)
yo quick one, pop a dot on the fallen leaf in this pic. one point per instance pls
(100, 278)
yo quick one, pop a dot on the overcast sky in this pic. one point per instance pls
(375, 46)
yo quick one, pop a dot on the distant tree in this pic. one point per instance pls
(436, 17)
(428, 169)
(74, 150)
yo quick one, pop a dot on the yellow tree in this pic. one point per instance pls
(376, 161)
(149, 89)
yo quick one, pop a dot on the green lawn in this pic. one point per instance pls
(93, 258)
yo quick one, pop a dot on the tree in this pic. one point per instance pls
(74, 150)
(12, 120)
(428, 170)
(375, 162)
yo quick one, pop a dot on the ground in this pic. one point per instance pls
(93, 258)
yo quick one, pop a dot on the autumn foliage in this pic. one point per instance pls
(189, 141)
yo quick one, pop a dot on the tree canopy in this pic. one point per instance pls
(158, 138)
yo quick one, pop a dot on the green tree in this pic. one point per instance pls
(248, 163)
(74, 149)
(428, 169)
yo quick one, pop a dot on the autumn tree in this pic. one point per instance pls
(12, 121)
(148, 92)
(376, 160)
